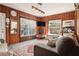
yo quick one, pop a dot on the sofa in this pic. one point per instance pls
(64, 46)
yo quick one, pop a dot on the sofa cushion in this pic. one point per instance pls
(64, 45)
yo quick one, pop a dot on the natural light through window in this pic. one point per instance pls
(54, 27)
(28, 27)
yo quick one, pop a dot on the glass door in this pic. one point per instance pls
(2, 27)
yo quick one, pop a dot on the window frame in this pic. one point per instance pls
(29, 20)
(49, 26)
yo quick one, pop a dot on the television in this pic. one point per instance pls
(40, 23)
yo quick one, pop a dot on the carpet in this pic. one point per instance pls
(25, 51)
(25, 48)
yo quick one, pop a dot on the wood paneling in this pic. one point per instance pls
(11, 39)
(0, 9)
(69, 15)
(29, 16)
(14, 38)
(62, 16)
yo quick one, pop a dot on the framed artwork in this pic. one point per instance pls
(13, 27)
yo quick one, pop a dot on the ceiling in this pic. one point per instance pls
(48, 8)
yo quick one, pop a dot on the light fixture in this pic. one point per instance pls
(40, 4)
(37, 9)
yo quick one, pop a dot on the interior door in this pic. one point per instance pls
(2, 26)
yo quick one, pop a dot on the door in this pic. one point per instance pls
(2, 27)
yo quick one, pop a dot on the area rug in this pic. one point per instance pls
(25, 51)
(25, 48)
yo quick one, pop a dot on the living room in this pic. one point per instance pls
(37, 29)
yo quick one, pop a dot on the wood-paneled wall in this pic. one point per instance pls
(62, 16)
(11, 39)
(14, 38)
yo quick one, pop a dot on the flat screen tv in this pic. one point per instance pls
(40, 23)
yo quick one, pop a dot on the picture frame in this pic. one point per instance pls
(13, 29)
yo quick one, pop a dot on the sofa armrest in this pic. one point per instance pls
(44, 51)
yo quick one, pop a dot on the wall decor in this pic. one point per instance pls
(13, 27)
(13, 13)
(7, 22)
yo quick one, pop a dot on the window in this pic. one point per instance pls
(54, 27)
(32, 27)
(27, 27)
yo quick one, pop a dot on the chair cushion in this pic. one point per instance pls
(64, 45)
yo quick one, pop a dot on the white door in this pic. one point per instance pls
(2, 26)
